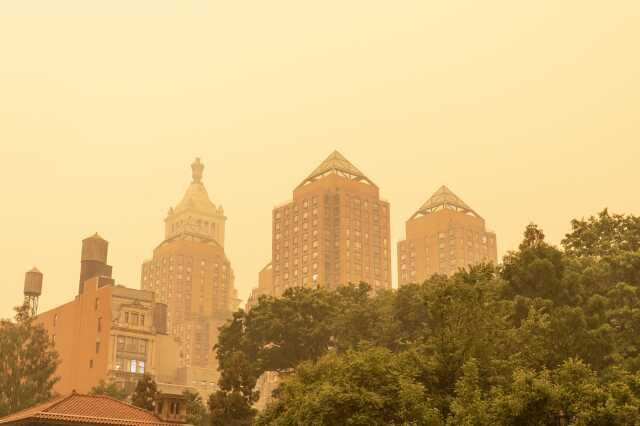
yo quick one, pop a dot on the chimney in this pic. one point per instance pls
(93, 260)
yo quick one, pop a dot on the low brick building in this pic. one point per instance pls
(77, 409)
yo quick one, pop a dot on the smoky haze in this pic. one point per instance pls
(527, 112)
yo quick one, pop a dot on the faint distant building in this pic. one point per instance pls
(334, 231)
(445, 234)
(190, 272)
(264, 288)
(108, 332)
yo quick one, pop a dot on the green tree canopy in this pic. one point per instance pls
(28, 362)
(197, 414)
(360, 387)
(145, 393)
(110, 388)
(603, 235)
(549, 336)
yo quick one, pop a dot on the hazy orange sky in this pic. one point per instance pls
(529, 111)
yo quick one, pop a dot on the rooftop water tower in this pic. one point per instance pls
(32, 290)
(93, 260)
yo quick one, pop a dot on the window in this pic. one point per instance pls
(90, 363)
(134, 319)
(126, 317)
(141, 319)
(133, 366)
(97, 347)
(120, 343)
(131, 344)
(99, 324)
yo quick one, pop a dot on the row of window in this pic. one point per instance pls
(201, 224)
(133, 318)
(130, 365)
(131, 345)
(277, 214)
(180, 260)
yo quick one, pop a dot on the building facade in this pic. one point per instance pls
(444, 235)
(335, 231)
(191, 274)
(108, 332)
(264, 288)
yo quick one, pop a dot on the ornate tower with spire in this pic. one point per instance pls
(190, 273)
(335, 231)
(196, 215)
(445, 234)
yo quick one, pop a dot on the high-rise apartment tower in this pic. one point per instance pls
(334, 231)
(445, 234)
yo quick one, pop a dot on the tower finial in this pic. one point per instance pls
(196, 170)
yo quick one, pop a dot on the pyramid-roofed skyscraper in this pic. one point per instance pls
(335, 231)
(443, 235)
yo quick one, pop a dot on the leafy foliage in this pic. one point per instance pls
(146, 393)
(28, 361)
(603, 235)
(366, 387)
(231, 404)
(197, 414)
(111, 389)
(548, 337)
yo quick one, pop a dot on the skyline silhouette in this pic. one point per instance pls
(104, 106)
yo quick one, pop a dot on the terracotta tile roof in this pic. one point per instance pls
(86, 409)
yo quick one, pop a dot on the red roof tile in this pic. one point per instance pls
(76, 408)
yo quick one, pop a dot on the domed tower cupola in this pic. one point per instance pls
(196, 216)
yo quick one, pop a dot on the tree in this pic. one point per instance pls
(572, 392)
(146, 393)
(232, 403)
(603, 235)
(536, 270)
(230, 408)
(531, 399)
(197, 414)
(28, 361)
(276, 335)
(368, 386)
(548, 336)
(449, 321)
(469, 407)
(111, 389)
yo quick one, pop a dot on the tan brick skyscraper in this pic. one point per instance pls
(192, 275)
(335, 231)
(443, 235)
